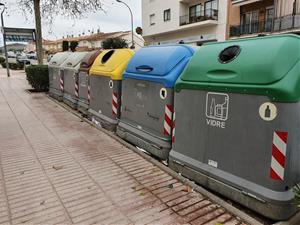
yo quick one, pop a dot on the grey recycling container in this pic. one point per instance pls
(148, 95)
(105, 82)
(84, 81)
(55, 76)
(237, 122)
(70, 70)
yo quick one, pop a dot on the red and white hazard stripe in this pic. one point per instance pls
(168, 123)
(76, 89)
(278, 155)
(174, 124)
(89, 94)
(115, 105)
(61, 83)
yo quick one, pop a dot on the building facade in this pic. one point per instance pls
(192, 22)
(258, 17)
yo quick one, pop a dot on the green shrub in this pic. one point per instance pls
(114, 43)
(65, 46)
(38, 77)
(2, 59)
(13, 66)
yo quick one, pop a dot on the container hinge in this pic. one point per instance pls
(253, 196)
(179, 163)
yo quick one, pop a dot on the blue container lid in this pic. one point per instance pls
(160, 64)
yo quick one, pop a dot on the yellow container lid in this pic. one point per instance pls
(111, 63)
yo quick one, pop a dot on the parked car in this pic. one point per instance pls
(12, 58)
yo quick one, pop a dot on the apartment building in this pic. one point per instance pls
(192, 22)
(254, 17)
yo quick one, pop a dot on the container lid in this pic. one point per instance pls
(161, 63)
(260, 61)
(74, 59)
(89, 59)
(255, 65)
(111, 63)
(58, 58)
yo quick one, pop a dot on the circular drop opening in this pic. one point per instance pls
(229, 54)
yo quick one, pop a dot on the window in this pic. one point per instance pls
(211, 9)
(249, 22)
(152, 19)
(269, 18)
(195, 10)
(167, 15)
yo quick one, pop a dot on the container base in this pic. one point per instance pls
(273, 210)
(156, 146)
(56, 94)
(103, 121)
(70, 101)
(83, 107)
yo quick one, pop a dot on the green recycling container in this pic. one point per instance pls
(237, 122)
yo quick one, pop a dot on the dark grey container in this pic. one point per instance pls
(55, 75)
(70, 70)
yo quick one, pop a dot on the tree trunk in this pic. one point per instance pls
(38, 27)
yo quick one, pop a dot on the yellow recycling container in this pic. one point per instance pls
(105, 86)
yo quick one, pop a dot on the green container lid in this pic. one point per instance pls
(267, 66)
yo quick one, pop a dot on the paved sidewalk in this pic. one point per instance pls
(57, 169)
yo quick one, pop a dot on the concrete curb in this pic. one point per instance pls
(242, 215)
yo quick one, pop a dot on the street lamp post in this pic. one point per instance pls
(4, 40)
(132, 39)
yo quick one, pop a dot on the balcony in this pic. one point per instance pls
(201, 16)
(281, 24)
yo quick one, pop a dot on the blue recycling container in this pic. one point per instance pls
(148, 96)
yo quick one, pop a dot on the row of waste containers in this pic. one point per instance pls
(226, 115)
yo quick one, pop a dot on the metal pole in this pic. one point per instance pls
(132, 37)
(4, 43)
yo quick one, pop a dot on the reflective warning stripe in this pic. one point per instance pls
(174, 124)
(168, 123)
(278, 155)
(76, 89)
(115, 103)
(89, 94)
(61, 83)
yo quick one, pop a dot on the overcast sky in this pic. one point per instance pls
(116, 18)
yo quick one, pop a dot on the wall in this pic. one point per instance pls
(171, 31)
(234, 15)
(285, 7)
(157, 7)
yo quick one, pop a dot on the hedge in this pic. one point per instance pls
(13, 66)
(2, 59)
(38, 77)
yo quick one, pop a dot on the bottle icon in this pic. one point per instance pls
(268, 112)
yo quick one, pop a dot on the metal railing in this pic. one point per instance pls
(285, 23)
(208, 14)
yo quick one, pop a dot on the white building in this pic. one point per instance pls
(184, 21)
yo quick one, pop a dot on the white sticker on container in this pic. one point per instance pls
(163, 93)
(268, 111)
(213, 163)
(111, 84)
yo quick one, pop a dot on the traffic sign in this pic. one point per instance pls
(19, 34)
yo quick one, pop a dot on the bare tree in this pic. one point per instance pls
(50, 9)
